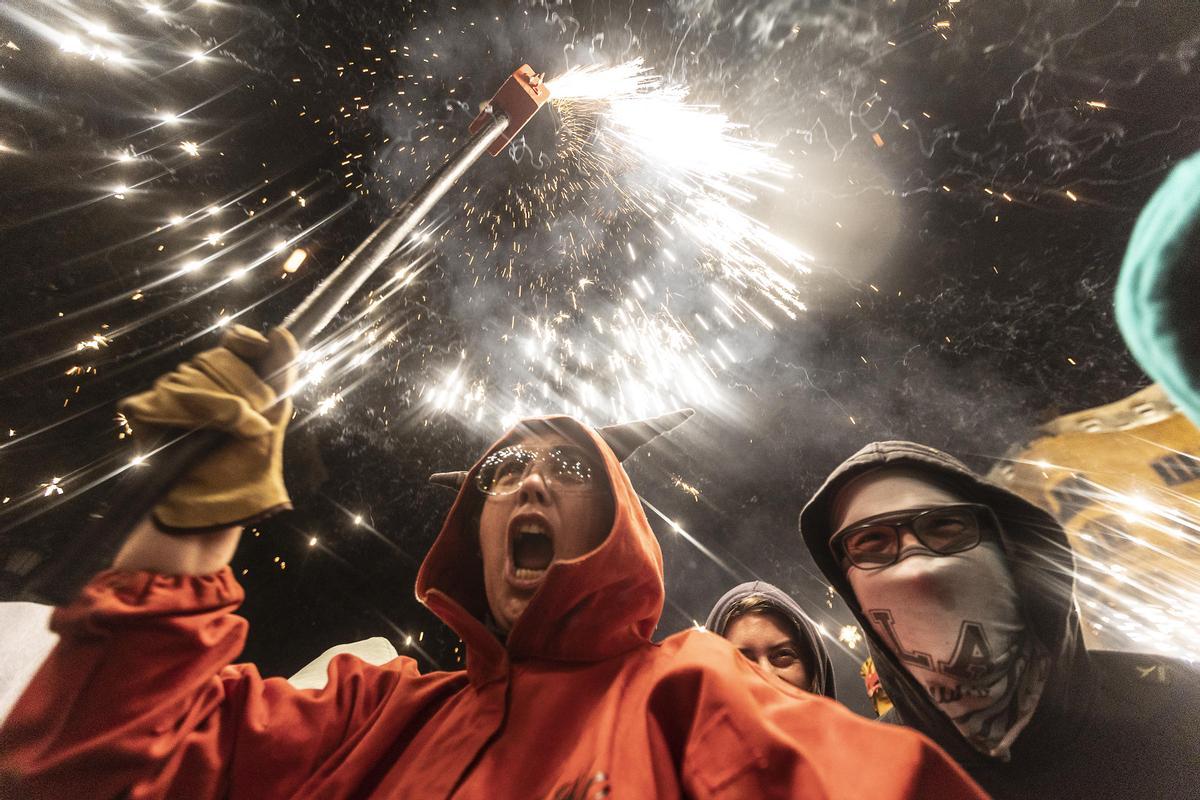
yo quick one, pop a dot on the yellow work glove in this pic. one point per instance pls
(241, 481)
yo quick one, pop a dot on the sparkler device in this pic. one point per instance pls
(502, 117)
(519, 99)
(509, 110)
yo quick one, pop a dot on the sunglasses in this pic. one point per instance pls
(566, 468)
(874, 543)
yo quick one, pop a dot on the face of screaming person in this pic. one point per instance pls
(767, 641)
(551, 503)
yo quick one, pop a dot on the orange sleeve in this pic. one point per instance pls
(751, 736)
(138, 698)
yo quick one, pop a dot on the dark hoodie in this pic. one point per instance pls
(1109, 724)
(718, 621)
(140, 698)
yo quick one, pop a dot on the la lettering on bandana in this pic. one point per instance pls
(955, 623)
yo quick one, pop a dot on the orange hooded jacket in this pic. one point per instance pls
(139, 697)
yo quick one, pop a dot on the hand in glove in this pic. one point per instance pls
(242, 481)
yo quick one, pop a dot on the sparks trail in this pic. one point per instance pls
(1136, 556)
(626, 266)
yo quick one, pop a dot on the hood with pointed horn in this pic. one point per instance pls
(588, 608)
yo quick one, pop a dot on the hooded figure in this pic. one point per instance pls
(572, 699)
(764, 598)
(982, 650)
(1158, 290)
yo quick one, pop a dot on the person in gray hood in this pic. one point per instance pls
(966, 594)
(770, 629)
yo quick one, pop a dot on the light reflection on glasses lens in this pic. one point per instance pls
(948, 530)
(564, 467)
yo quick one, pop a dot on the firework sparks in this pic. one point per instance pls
(1136, 557)
(850, 636)
(94, 342)
(679, 483)
(699, 172)
(608, 342)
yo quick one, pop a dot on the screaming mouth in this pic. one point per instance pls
(532, 551)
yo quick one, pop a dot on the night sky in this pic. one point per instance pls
(961, 176)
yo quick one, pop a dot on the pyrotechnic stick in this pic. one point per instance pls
(316, 310)
(518, 99)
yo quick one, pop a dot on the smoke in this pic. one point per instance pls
(961, 176)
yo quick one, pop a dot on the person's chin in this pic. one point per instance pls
(513, 609)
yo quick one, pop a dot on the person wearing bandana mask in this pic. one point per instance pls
(966, 594)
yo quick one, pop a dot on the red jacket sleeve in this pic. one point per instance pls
(139, 697)
(751, 735)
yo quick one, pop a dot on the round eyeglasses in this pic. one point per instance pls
(565, 467)
(874, 543)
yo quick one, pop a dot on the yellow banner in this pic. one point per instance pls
(1124, 480)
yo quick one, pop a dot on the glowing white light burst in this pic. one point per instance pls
(1144, 594)
(611, 343)
(850, 635)
(1137, 579)
(652, 121)
(701, 171)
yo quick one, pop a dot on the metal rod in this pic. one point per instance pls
(140, 489)
(315, 312)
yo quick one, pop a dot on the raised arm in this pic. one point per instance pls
(139, 699)
(194, 529)
(149, 548)
(139, 693)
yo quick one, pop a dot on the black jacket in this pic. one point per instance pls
(1109, 724)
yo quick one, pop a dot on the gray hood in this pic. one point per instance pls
(718, 621)
(1042, 566)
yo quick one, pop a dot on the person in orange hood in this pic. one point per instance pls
(547, 569)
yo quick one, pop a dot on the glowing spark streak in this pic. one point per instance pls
(294, 260)
(650, 127)
(713, 557)
(1145, 604)
(850, 636)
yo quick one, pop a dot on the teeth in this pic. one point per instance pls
(532, 528)
(526, 574)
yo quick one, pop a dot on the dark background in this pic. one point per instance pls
(937, 311)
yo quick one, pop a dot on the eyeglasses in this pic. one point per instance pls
(567, 468)
(875, 543)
